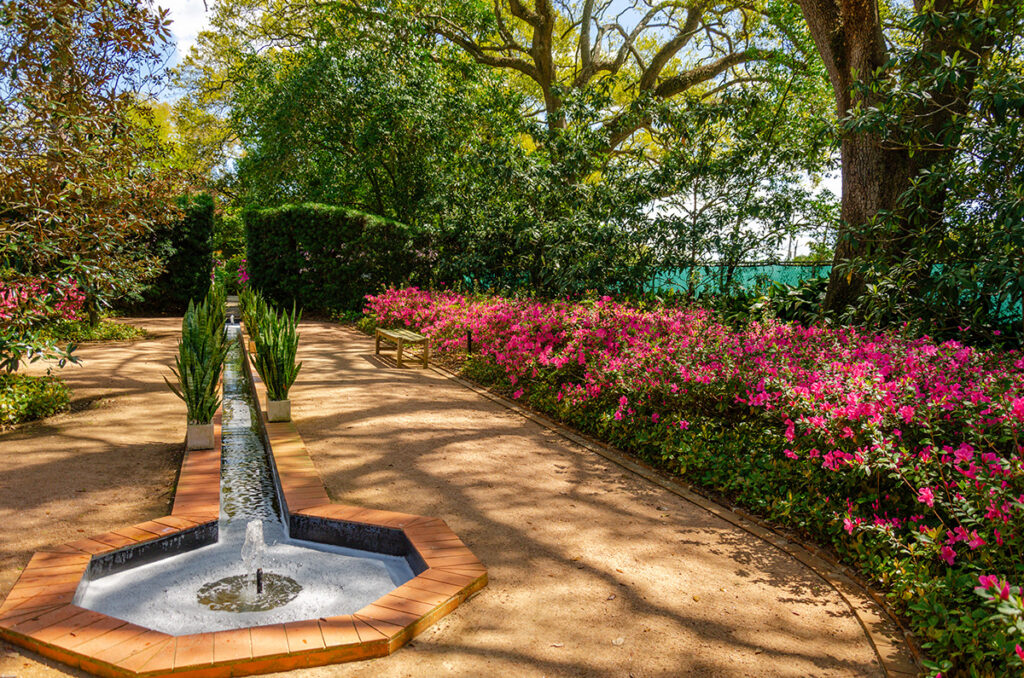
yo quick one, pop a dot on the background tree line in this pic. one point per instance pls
(552, 146)
(564, 146)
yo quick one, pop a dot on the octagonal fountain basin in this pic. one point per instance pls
(215, 588)
(255, 571)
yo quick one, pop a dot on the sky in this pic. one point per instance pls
(189, 18)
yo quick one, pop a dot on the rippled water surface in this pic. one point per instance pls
(247, 490)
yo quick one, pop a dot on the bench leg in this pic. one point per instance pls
(426, 353)
(399, 353)
(377, 348)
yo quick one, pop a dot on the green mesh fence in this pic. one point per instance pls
(718, 279)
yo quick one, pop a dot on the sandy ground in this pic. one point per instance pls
(110, 462)
(593, 571)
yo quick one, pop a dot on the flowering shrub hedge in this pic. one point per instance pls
(903, 454)
(26, 303)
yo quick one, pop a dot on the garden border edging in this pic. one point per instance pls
(880, 624)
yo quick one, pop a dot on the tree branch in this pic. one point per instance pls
(669, 87)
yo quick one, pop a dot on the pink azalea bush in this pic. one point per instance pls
(34, 299)
(25, 305)
(905, 454)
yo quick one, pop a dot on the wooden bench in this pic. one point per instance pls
(403, 338)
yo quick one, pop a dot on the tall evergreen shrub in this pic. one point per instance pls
(187, 248)
(325, 257)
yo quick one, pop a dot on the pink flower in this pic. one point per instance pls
(1020, 652)
(926, 496)
(655, 417)
(987, 581)
(947, 554)
(518, 394)
(791, 454)
(683, 424)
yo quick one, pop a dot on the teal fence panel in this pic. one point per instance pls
(713, 279)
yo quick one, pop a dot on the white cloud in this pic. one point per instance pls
(189, 17)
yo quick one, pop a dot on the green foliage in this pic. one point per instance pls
(253, 308)
(366, 121)
(734, 176)
(201, 353)
(79, 331)
(25, 398)
(186, 246)
(226, 273)
(277, 343)
(803, 303)
(229, 234)
(947, 257)
(323, 257)
(80, 182)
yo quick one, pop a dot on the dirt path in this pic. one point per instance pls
(593, 571)
(109, 463)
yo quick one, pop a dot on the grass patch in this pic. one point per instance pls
(26, 398)
(79, 331)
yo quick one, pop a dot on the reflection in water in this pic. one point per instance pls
(238, 593)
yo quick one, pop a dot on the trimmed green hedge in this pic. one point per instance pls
(326, 258)
(187, 247)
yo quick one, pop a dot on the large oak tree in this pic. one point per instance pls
(879, 164)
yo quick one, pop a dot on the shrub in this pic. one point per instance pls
(25, 398)
(27, 303)
(903, 454)
(325, 258)
(229, 235)
(230, 274)
(79, 331)
(187, 249)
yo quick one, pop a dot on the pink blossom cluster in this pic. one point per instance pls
(31, 300)
(934, 425)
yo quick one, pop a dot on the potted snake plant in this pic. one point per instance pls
(277, 343)
(253, 307)
(201, 352)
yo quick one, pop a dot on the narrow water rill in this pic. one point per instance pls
(254, 571)
(213, 588)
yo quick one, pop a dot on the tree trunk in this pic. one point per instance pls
(848, 35)
(873, 179)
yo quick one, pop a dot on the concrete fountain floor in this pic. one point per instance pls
(593, 571)
(334, 581)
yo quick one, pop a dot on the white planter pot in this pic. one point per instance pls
(199, 437)
(279, 410)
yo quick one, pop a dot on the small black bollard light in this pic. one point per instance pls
(469, 342)
(259, 580)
